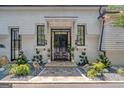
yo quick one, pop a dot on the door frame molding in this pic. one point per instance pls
(69, 30)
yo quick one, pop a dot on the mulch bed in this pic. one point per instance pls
(4, 76)
(111, 75)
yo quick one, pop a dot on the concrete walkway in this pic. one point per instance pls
(60, 75)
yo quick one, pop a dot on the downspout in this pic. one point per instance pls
(101, 38)
(102, 32)
(101, 15)
(100, 11)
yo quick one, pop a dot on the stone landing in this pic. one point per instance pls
(61, 64)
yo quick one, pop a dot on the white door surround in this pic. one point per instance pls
(60, 24)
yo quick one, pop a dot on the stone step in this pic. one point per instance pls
(61, 64)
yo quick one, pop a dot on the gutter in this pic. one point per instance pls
(52, 5)
(101, 39)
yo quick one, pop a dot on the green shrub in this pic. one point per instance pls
(120, 71)
(13, 68)
(96, 70)
(20, 70)
(104, 60)
(92, 73)
(7, 68)
(119, 21)
(23, 70)
(22, 59)
(98, 66)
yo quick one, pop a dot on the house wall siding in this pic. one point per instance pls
(5, 40)
(27, 20)
(113, 43)
(113, 38)
(116, 57)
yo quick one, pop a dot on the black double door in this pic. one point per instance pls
(60, 44)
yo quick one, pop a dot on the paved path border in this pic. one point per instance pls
(98, 84)
(68, 85)
(62, 82)
(82, 74)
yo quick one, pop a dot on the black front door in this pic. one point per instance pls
(60, 44)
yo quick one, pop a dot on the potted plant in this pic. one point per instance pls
(49, 55)
(71, 51)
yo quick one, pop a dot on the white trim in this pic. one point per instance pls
(10, 27)
(39, 46)
(71, 18)
(82, 74)
(37, 75)
(85, 24)
(37, 25)
(41, 71)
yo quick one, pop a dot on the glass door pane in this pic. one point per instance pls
(60, 41)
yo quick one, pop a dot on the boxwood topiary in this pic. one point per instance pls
(22, 59)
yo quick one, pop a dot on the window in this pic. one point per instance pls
(15, 43)
(81, 35)
(40, 35)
